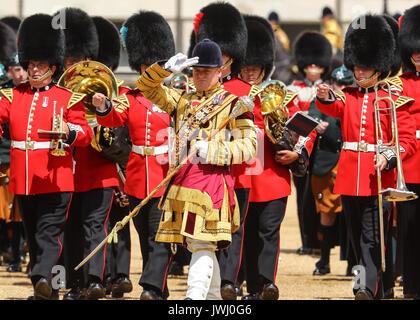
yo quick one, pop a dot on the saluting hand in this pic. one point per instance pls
(98, 100)
(322, 91)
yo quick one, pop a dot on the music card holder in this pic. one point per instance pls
(301, 123)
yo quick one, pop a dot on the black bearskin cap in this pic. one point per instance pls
(370, 43)
(396, 65)
(260, 48)
(109, 42)
(7, 42)
(311, 47)
(409, 36)
(148, 38)
(193, 42)
(223, 23)
(11, 21)
(38, 40)
(81, 36)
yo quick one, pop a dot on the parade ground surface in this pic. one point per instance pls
(294, 276)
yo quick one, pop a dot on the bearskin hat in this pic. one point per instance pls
(38, 40)
(396, 65)
(81, 35)
(370, 43)
(260, 47)
(7, 42)
(109, 42)
(12, 21)
(192, 44)
(409, 36)
(311, 47)
(224, 24)
(148, 38)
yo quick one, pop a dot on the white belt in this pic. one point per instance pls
(31, 145)
(359, 146)
(418, 134)
(149, 151)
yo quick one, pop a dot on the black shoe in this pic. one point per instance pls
(120, 286)
(304, 250)
(150, 295)
(321, 269)
(14, 267)
(416, 297)
(228, 292)
(176, 269)
(239, 291)
(95, 291)
(54, 295)
(74, 294)
(42, 290)
(270, 292)
(252, 296)
(389, 294)
(363, 294)
(107, 283)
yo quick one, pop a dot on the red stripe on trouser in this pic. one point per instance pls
(106, 234)
(166, 273)
(242, 244)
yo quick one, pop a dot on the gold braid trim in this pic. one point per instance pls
(340, 94)
(402, 100)
(75, 98)
(7, 93)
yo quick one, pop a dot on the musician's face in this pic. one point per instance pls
(363, 73)
(251, 73)
(37, 69)
(416, 58)
(206, 78)
(72, 60)
(313, 72)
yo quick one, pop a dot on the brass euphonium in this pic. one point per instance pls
(276, 114)
(90, 77)
(400, 193)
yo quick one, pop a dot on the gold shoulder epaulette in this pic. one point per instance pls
(340, 94)
(122, 99)
(75, 98)
(7, 93)
(402, 100)
(290, 95)
(396, 81)
(255, 90)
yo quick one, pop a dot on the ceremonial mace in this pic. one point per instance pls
(244, 104)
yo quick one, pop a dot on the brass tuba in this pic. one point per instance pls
(276, 114)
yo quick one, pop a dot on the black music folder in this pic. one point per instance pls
(301, 123)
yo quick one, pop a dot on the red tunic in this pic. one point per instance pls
(148, 127)
(411, 84)
(240, 88)
(93, 170)
(271, 180)
(38, 171)
(356, 175)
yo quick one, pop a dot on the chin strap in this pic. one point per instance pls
(45, 76)
(367, 83)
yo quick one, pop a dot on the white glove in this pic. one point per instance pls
(179, 62)
(203, 148)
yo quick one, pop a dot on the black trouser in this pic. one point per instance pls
(44, 217)
(230, 259)
(362, 218)
(85, 230)
(119, 254)
(409, 230)
(307, 215)
(262, 242)
(156, 255)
